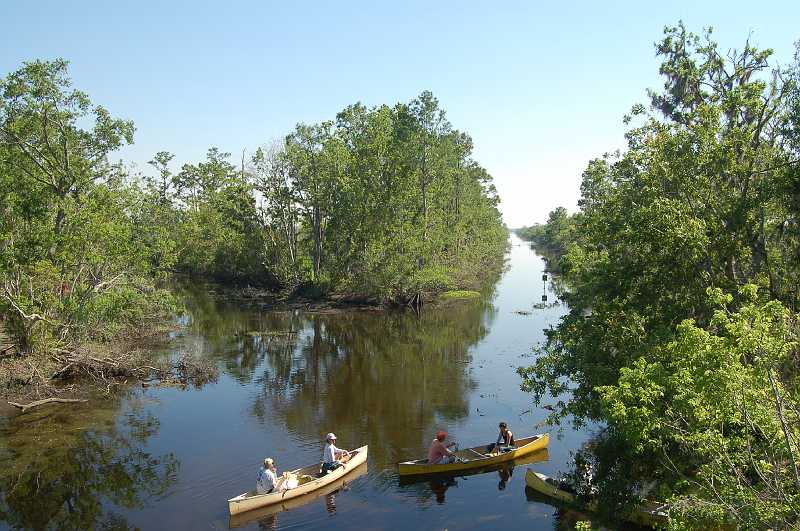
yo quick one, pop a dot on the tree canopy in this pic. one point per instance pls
(682, 274)
(379, 203)
(382, 203)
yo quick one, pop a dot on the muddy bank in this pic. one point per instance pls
(69, 373)
(72, 372)
(266, 300)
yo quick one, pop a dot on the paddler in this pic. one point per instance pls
(267, 478)
(439, 453)
(504, 439)
(333, 457)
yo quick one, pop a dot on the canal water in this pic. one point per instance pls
(168, 458)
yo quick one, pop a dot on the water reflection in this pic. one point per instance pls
(384, 379)
(565, 518)
(375, 374)
(436, 485)
(394, 376)
(72, 468)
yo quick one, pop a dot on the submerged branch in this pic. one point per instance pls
(37, 403)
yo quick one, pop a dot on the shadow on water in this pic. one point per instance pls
(66, 468)
(426, 486)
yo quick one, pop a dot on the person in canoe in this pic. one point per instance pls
(333, 457)
(439, 453)
(267, 479)
(504, 439)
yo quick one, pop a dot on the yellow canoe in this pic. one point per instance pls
(649, 514)
(307, 481)
(243, 519)
(476, 458)
(538, 456)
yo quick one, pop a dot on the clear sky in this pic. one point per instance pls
(540, 86)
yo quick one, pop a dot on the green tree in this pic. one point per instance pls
(698, 201)
(71, 266)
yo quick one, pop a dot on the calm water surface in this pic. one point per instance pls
(170, 458)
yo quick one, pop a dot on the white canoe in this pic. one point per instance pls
(243, 519)
(307, 481)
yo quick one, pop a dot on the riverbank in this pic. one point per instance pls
(309, 300)
(389, 379)
(78, 372)
(75, 373)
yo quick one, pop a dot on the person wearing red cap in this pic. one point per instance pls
(439, 453)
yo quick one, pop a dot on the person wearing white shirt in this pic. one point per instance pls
(333, 457)
(267, 478)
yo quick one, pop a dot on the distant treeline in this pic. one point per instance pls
(380, 202)
(682, 271)
(552, 238)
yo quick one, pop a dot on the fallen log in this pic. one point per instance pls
(26, 407)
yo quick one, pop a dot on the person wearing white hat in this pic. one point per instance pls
(267, 478)
(333, 457)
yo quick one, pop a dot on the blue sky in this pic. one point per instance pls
(541, 87)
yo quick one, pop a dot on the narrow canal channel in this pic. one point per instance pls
(170, 458)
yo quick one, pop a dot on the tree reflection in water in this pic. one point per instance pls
(390, 377)
(387, 377)
(66, 468)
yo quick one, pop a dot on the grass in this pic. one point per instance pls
(460, 294)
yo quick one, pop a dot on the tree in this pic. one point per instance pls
(698, 202)
(70, 264)
(39, 124)
(279, 210)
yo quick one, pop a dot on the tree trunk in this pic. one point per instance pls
(58, 228)
(784, 427)
(317, 241)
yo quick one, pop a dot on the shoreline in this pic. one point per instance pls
(90, 370)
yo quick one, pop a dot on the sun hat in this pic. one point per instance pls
(268, 462)
(330, 436)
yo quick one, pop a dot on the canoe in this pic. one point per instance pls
(476, 458)
(539, 456)
(243, 519)
(649, 514)
(307, 481)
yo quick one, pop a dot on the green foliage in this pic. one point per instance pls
(215, 224)
(73, 264)
(692, 387)
(554, 238)
(461, 294)
(710, 401)
(382, 202)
